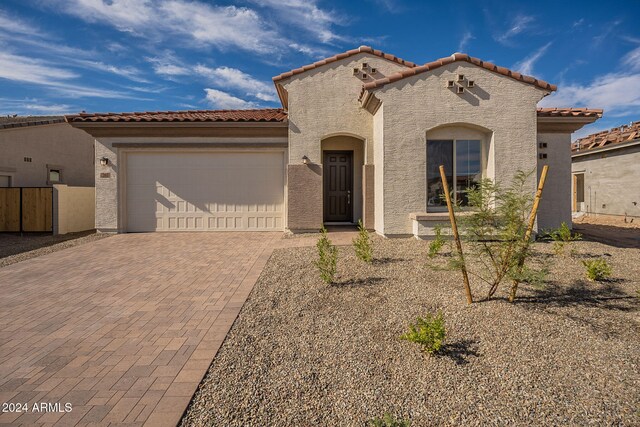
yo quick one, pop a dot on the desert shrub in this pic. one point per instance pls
(428, 332)
(388, 420)
(494, 230)
(561, 236)
(597, 269)
(327, 257)
(436, 245)
(362, 244)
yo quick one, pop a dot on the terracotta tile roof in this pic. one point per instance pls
(361, 49)
(448, 60)
(625, 133)
(569, 112)
(8, 122)
(258, 115)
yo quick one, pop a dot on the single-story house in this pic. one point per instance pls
(360, 135)
(606, 173)
(40, 151)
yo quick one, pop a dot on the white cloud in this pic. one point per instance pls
(13, 24)
(222, 100)
(33, 71)
(205, 24)
(526, 65)
(519, 24)
(617, 93)
(306, 14)
(23, 69)
(171, 70)
(28, 106)
(53, 109)
(632, 59)
(464, 41)
(235, 79)
(127, 72)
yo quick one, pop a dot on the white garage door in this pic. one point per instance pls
(206, 191)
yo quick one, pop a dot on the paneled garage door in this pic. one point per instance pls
(206, 191)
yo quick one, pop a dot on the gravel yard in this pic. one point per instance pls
(15, 248)
(305, 353)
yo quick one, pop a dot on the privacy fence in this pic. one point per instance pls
(57, 210)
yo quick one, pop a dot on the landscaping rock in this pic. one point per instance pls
(305, 353)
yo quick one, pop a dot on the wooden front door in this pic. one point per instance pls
(338, 186)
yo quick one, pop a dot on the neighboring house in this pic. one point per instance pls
(360, 136)
(39, 151)
(606, 173)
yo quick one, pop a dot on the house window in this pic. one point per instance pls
(462, 160)
(54, 174)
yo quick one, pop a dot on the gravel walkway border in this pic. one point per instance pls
(15, 248)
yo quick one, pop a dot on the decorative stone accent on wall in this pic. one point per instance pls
(304, 197)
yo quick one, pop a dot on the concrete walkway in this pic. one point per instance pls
(124, 328)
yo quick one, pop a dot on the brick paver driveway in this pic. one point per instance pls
(123, 328)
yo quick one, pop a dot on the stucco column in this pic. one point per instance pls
(368, 193)
(304, 197)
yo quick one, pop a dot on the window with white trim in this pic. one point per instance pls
(462, 160)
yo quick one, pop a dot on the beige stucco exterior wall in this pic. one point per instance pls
(378, 160)
(58, 144)
(611, 181)
(324, 102)
(555, 205)
(74, 209)
(416, 104)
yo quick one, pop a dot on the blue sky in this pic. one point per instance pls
(64, 56)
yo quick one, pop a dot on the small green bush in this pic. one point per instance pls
(597, 269)
(561, 236)
(362, 244)
(429, 332)
(388, 420)
(435, 246)
(327, 257)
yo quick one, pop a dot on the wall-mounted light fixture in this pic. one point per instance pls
(305, 160)
(104, 161)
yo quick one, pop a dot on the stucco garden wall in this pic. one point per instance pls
(74, 209)
(555, 205)
(500, 104)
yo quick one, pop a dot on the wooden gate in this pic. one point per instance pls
(24, 209)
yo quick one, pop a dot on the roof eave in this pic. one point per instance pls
(566, 124)
(609, 147)
(175, 123)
